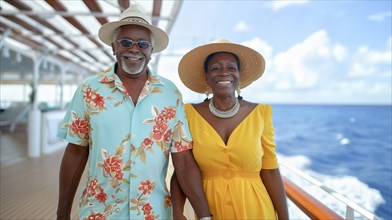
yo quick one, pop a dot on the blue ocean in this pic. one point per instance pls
(348, 148)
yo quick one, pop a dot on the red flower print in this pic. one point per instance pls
(84, 192)
(147, 143)
(168, 113)
(112, 166)
(147, 209)
(101, 196)
(80, 126)
(146, 187)
(88, 95)
(167, 200)
(167, 136)
(99, 101)
(123, 90)
(105, 79)
(92, 186)
(178, 145)
(158, 131)
(149, 217)
(160, 120)
(119, 175)
(98, 216)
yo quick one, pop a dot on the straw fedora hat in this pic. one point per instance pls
(134, 16)
(191, 67)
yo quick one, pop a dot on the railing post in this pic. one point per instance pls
(351, 207)
(349, 213)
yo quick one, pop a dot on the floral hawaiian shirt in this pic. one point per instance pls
(129, 145)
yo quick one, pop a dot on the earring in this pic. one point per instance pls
(239, 97)
(207, 89)
(207, 94)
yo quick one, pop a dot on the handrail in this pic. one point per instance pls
(312, 207)
(350, 205)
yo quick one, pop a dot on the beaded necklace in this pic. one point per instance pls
(224, 114)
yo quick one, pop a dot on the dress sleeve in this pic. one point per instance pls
(267, 140)
(75, 127)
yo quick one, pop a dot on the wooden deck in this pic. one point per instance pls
(29, 186)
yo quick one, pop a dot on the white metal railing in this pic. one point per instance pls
(351, 207)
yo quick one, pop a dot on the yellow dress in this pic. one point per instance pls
(231, 173)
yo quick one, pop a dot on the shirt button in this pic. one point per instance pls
(133, 135)
(230, 203)
(225, 150)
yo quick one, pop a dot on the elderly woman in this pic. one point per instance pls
(233, 138)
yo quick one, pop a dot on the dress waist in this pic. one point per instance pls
(229, 174)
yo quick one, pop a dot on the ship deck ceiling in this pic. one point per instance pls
(65, 33)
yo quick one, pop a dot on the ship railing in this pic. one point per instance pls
(312, 207)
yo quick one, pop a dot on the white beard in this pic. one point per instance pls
(133, 71)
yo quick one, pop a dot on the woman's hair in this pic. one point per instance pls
(209, 57)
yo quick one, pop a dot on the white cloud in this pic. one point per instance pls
(300, 74)
(279, 4)
(168, 68)
(380, 17)
(316, 70)
(339, 52)
(345, 92)
(377, 92)
(260, 46)
(241, 26)
(380, 88)
(283, 86)
(301, 67)
(304, 63)
(266, 51)
(368, 62)
(312, 71)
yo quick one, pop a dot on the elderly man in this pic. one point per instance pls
(124, 122)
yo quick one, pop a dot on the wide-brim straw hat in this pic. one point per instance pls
(135, 16)
(191, 67)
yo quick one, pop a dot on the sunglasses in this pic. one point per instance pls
(128, 43)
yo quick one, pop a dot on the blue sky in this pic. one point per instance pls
(324, 52)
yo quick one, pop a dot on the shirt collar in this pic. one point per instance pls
(109, 76)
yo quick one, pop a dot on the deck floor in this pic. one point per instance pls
(29, 186)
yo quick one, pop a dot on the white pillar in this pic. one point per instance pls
(34, 126)
(34, 133)
(63, 69)
(5, 35)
